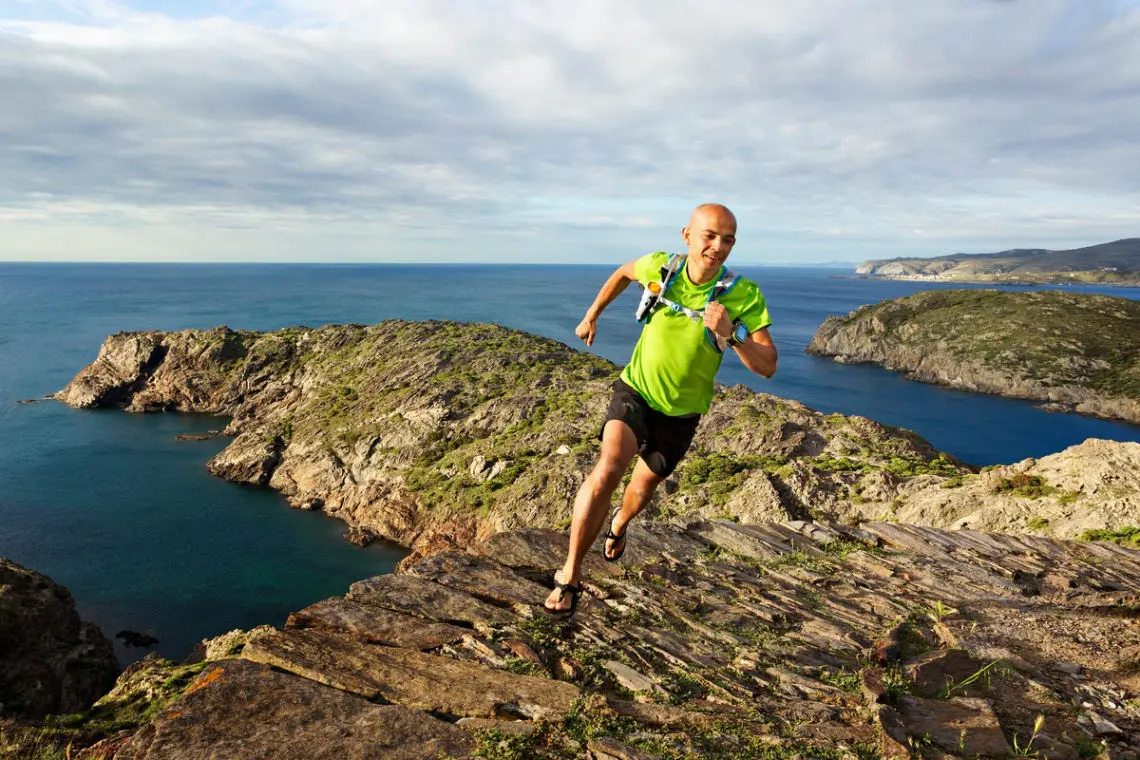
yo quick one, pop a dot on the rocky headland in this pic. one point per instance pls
(1073, 351)
(1115, 263)
(439, 434)
(776, 607)
(710, 639)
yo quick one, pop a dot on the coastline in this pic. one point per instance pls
(1019, 281)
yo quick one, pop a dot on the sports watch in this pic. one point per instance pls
(739, 334)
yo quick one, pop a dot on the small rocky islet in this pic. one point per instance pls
(776, 607)
(1072, 351)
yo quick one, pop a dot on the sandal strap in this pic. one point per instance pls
(610, 527)
(572, 588)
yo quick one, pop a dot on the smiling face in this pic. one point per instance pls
(710, 236)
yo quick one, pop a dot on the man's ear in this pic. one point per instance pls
(685, 235)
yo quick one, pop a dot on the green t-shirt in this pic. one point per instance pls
(673, 365)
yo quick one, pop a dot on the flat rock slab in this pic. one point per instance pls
(933, 673)
(631, 679)
(966, 727)
(239, 710)
(411, 678)
(605, 748)
(479, 577)
(651, 541)
(530, 549)
(426, 599)
(539, 552)
(726, 535)
(376, 624)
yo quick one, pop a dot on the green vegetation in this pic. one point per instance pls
(33, 744)
(841, 679)
(895, 682)
(939, 611)
(1025, 749)
(56, 736)
(1126, 536)
(982, 675)
(1068, 497)
(1023, 484)
(1037, 523)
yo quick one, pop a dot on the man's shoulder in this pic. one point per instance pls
(648, 267)
(744, 287)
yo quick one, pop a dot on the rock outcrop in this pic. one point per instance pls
(1076, 352)
(709, 639)
(437, 434)
(50, 660)
(1048, 496)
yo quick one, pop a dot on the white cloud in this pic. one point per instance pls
(835, 128)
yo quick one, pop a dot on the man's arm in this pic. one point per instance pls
(759, 353)
(613, 287)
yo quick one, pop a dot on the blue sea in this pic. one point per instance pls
(113, 507)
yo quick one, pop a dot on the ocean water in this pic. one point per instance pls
(113, 507)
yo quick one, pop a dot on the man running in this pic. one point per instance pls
(667, 385)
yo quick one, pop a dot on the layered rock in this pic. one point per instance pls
(50, 660)
(437, 434)
(709, 639)
(1076, 352)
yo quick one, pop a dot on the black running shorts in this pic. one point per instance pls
(661, 440)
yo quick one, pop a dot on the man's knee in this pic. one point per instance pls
(608, 472)
(643, 488)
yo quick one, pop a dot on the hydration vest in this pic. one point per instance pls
(653, 297)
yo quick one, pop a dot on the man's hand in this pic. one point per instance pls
(586, 330)
(717, 320)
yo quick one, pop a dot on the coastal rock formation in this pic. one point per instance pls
(709, 639)
(1076, 352)
(1093, 486)
(50, 660)
(1116, 263)
(437, 434)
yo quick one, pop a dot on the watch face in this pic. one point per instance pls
(741, 332)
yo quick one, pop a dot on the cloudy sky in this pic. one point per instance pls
(558, 131)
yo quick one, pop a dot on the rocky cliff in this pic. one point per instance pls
(50, 660)
(1076, 352)
(435, 434)
(710, 639)
(1115, 263)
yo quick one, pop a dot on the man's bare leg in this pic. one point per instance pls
(637, 495)
(592, 504)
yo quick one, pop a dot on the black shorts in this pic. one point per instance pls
(661, 440)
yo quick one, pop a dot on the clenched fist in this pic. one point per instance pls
(586, 330)
(717, 320)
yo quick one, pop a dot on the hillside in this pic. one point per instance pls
(435, 434)
(1115, 263)
(1076, 352)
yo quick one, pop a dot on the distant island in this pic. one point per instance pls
(1116, 263)
(1077, 352)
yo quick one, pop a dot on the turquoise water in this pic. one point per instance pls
(112, 506)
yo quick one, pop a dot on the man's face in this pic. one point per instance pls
(710, 236)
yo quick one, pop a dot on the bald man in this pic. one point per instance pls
(667, 385)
